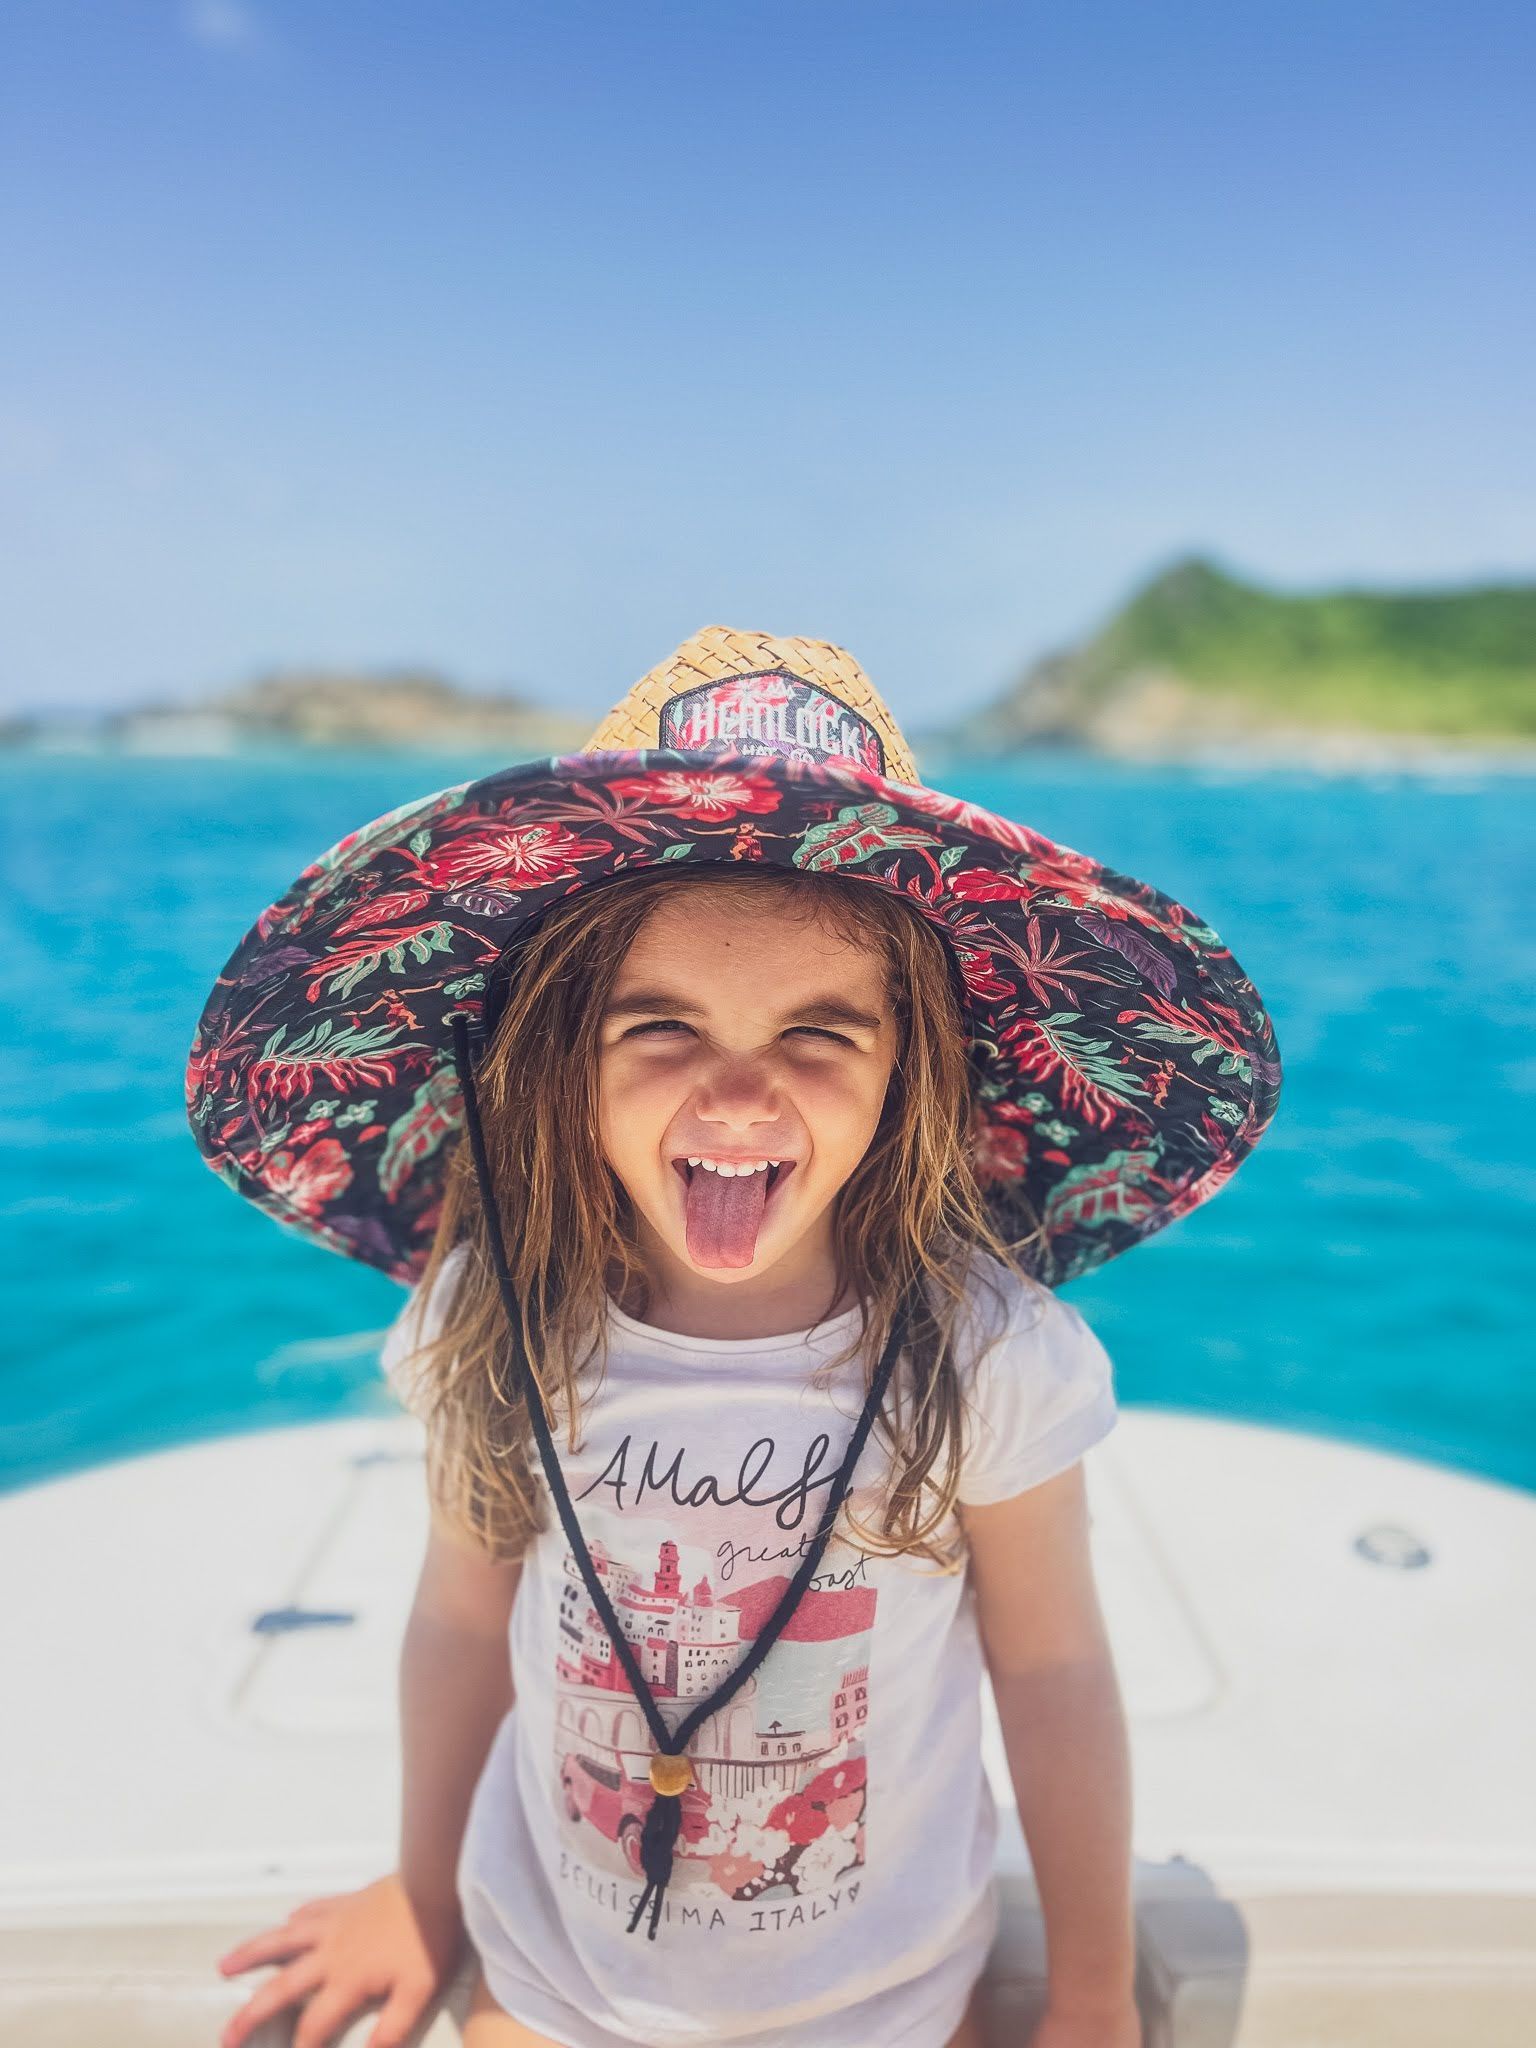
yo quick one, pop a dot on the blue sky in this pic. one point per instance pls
(525, 339)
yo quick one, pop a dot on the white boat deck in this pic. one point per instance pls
(1334, 1775)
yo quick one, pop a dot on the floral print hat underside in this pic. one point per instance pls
(1122, 1063)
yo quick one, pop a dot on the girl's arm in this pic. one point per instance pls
(455, 1687)
(1058, 1703)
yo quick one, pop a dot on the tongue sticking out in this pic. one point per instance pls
(725, 1214)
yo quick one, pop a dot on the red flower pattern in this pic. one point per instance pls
(998, 1151)
(312, 1179)
(510, 853)
(703, 795)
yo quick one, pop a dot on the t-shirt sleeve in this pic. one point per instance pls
(420, 1320)
(1039, 1394)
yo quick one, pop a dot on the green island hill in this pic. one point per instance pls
(1199, 658)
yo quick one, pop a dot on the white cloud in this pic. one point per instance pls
(220, 24)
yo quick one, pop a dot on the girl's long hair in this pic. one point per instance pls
(911, 1212)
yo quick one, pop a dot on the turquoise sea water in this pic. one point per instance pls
(1365, 1275)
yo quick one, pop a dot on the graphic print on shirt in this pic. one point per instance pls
(777, 1808)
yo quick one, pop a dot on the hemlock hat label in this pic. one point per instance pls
(770, 712)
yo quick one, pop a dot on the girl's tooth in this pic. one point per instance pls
(693, 1162)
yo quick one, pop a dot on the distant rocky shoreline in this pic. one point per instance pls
(408, 710)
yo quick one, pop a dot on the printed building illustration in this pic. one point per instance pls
(685, 1642)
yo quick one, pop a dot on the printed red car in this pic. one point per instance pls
(616, 1805)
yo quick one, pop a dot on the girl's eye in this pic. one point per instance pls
(668, 1024)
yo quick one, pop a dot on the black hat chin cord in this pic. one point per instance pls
(658, 1835)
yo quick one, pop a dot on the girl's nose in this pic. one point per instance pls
(737, 1091)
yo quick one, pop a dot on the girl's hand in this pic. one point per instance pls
(1115, 2027)
(340, 1953)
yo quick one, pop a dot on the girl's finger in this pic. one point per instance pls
(325, 2016)
(272, 1945)
(402, 2009)
(288, 1987)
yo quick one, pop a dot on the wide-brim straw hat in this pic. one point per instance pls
(1122, 1064)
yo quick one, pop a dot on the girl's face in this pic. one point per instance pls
(738, 1033)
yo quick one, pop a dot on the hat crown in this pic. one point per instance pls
(727, 692)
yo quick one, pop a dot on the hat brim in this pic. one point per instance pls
(1123, 1064)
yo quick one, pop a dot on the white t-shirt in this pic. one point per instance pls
(833, 1883)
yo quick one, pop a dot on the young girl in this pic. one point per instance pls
(789, 1088)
